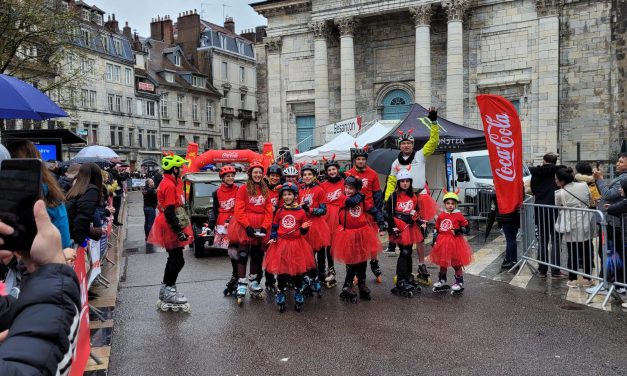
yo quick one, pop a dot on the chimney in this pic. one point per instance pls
(188, 33)
(126, 31)
(112, 25)
(229, 24)
(161, 29)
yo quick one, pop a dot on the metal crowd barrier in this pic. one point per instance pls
(577, 241)
(477, 204)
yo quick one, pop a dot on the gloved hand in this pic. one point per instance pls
(458, 231)
(383, 226)
(263, 231)
(182, 236)
(433, 114)
(305, 208)
(250, 232)
(396, 231)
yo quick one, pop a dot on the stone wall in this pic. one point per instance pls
(618, 134)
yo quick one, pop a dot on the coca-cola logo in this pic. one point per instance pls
(307, 199)
(406, 206)
(364, 182)
(288, 221)
(333, 196)
(228, 204)
(274, 201)
(355, 211)
(500, 135)
(230, 155)
(257, 200)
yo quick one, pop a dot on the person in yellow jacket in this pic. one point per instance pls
(414, 162)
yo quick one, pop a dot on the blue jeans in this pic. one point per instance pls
(149, 219)
(510, 230)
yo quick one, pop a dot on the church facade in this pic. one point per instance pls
(558, 61)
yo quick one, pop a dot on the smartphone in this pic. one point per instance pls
(20, 188)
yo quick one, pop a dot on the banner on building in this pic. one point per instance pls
(503, 134)
(83, 345)
(350, 126)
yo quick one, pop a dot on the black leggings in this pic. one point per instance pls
(324, 257)
(358, 270)
(173, 266)
(404, 263)
(256, 259)
(284, 279)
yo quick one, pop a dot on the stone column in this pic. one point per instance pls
(321, 79)
(548, 74)
(422, 68)
(347, 67)
(455, 60)
(277, 130)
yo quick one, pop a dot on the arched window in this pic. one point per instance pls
(396, 104)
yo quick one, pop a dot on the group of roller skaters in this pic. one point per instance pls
(285, 225)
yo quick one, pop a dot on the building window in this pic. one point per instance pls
(210, 143)
(113, 135)
(179, 106)
(227, 130)
(198, 82)
(129, 106)
(105, 43)
(85, 13)
(86, 37)
(225, 70)
(222, 41)
(92, 99)
(98, 18)
(182, 142)
(225, 99)
(177, 60)
(140, 138)
(242, 101)
(110, 100)
(131, 142)
(244, 131)
(169, 77)
(84, 98)
(195, 109)
(242, 74)
(118, 103)
(140, 107)
(150, 108)
(152, 139)
(117, 70)
(165, 140)
(240, 47)
(109, 72)
(128, 76)
(92, 133)
(197, 140)
(209, 111)
(117, 44)
(164, 106)
(147, 51)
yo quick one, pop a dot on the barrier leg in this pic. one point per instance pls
(595, 293)
(95, 358)
(607, 297)
(97, 312)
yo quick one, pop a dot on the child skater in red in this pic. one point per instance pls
(355, 241)
(451, 248)
(289, 255)
(333, 189)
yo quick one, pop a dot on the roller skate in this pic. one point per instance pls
(364, 292)
(161, 291)
(299, 300)
(403, 288)
(306, 286)
(423, 277)
(458, 286)
(242, 286)
(376, 270)
(329, 279)
(280, 300)
(348, 294)
(441, 285)
(173, 301)
(255, 289)
(316, 287)
(414, 284)
(271, 288)
(231, 287)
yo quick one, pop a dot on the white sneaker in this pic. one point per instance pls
(621, 290)
(624, 305)
(602, 291)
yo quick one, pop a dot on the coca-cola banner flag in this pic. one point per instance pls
(501, 126)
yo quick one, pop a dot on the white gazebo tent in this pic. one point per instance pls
(340, 146)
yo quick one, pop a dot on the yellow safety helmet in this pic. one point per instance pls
(170, 161)
(451, 195)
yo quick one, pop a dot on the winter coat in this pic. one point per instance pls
(65, 183)
(610, 194)
(81, 210)
(43, 322)
(595, 195)
(582, 223)
(543, 184)
(58, 216)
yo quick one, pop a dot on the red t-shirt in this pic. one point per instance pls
(447, 222)
(313, 196)
(354, 217)
(252, 204)
(226, 198)
(332, 191)
(405, 204)
(273, 196)
(369, 180)
(289, 222)
(170, 192)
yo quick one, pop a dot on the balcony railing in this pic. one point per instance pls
(227, 112)
(245, 115)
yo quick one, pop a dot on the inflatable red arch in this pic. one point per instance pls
(227, 156)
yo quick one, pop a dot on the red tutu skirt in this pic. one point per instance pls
(318, 235)
(409, 234)
(289, 256)
(352, 246)
(332, 217)
(428, 207)
(223, 218)
(237, 232)
(162, 235)
(451, 250)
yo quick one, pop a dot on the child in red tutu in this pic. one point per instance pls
(354, 241)
(404, 226)
(451, 248)
(333, 189)
(289, 255)
(253, 217)
(312, 201)
(273, 180)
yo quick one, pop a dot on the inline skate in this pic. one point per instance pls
(306, 286)
(458, 286)
(299, 300)
(161, 291)
(242, 286)
(173, 301)
(329, 280)
(348, 294)
(423, 277)
(403, 288)
(255, 289)
(316, 287)
(231, 287)
(364, 292)
(280, 300)
(441, 285)
(376, 270)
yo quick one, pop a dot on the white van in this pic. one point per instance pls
(471, 169)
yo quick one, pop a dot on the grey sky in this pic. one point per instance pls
(139, 13)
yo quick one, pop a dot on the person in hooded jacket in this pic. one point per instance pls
(82, 201)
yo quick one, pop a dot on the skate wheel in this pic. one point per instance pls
(395, 279)
(379, 279)
(159, 304)
(187, 308)
(175, 309)
(240, 300)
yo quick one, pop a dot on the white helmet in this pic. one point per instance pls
(403, 174)
(290, 171)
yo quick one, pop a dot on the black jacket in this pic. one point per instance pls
(543, 184)
(619, 208)
(44, 323)
(65, 183)
(150, 197)
(80, 211)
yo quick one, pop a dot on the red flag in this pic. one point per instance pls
(503, 134)
(83, 345)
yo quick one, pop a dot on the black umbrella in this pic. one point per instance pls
(80, 160)
(381, 160)
(149, 162)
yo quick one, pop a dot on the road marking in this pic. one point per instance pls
(522, 279)
(484, 257)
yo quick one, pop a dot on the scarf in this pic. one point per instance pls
(404, 162)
